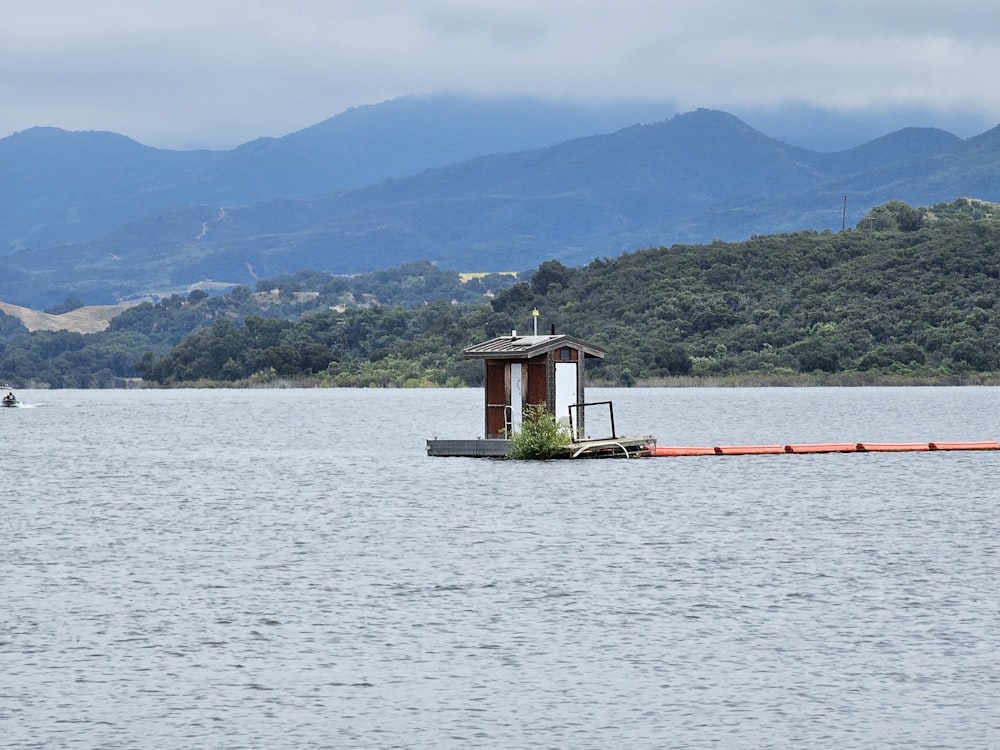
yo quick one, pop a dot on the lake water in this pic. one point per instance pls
(287, 569)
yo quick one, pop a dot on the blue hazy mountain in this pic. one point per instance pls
(63, 186)
(469, 185)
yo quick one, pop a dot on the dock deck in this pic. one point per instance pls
(618, 447)
(622, 447)
(476, 448)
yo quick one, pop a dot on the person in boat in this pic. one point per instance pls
(9, 398)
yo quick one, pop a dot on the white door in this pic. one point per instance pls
(566, 394)
(516, 396)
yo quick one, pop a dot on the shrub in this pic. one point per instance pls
(541, 436)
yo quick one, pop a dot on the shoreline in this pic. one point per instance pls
(749, 380)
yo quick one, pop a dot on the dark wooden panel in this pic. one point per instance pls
(538, 383)
(497, 396)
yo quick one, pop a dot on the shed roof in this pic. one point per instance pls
(526, 347)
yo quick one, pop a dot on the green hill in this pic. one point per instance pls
(908, 295)
(908, 292)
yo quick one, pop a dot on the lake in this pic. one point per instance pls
(288, 569)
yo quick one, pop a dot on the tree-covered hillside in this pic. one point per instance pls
(908, 293)
(63, 359)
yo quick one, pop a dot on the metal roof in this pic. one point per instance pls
(526, 347)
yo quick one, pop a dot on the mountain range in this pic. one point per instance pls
(472, 186)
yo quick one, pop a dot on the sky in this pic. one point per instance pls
(216, 73)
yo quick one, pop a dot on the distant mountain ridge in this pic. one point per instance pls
(102, 218)
(62, 186)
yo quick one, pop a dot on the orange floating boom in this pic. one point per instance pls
(746, 450)
(893, 447)
(822, 448)
(668, 450)
(982, 445)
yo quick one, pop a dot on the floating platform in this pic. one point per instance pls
(495, 448)
(618, 447)
(749, 450)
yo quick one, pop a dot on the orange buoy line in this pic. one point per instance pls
(893, 447)
(822, 448)
(982, 445)
(667, 450)
(748, 450)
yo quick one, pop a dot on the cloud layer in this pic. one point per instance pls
(216, 73)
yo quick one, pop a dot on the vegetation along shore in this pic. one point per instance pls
(908, 296)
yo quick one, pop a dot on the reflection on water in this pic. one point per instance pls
(288, 569)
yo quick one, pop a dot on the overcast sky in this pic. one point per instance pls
(217, 73)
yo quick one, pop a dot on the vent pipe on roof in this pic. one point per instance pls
(513, 333)
(553, 329)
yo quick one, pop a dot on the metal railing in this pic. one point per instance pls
(578, 407)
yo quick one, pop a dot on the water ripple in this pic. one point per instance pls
(281, 569)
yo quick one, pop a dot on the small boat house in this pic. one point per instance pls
(523, 371)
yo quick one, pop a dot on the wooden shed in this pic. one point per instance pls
(534, 370)
(529, 370)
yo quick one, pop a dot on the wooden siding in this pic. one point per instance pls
(497, 397)
(538, 382)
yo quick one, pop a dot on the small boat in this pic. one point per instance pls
(9, 400)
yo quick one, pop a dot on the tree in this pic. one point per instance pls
(672, 359)
(549, 273)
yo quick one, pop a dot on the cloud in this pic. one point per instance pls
(219, 72)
